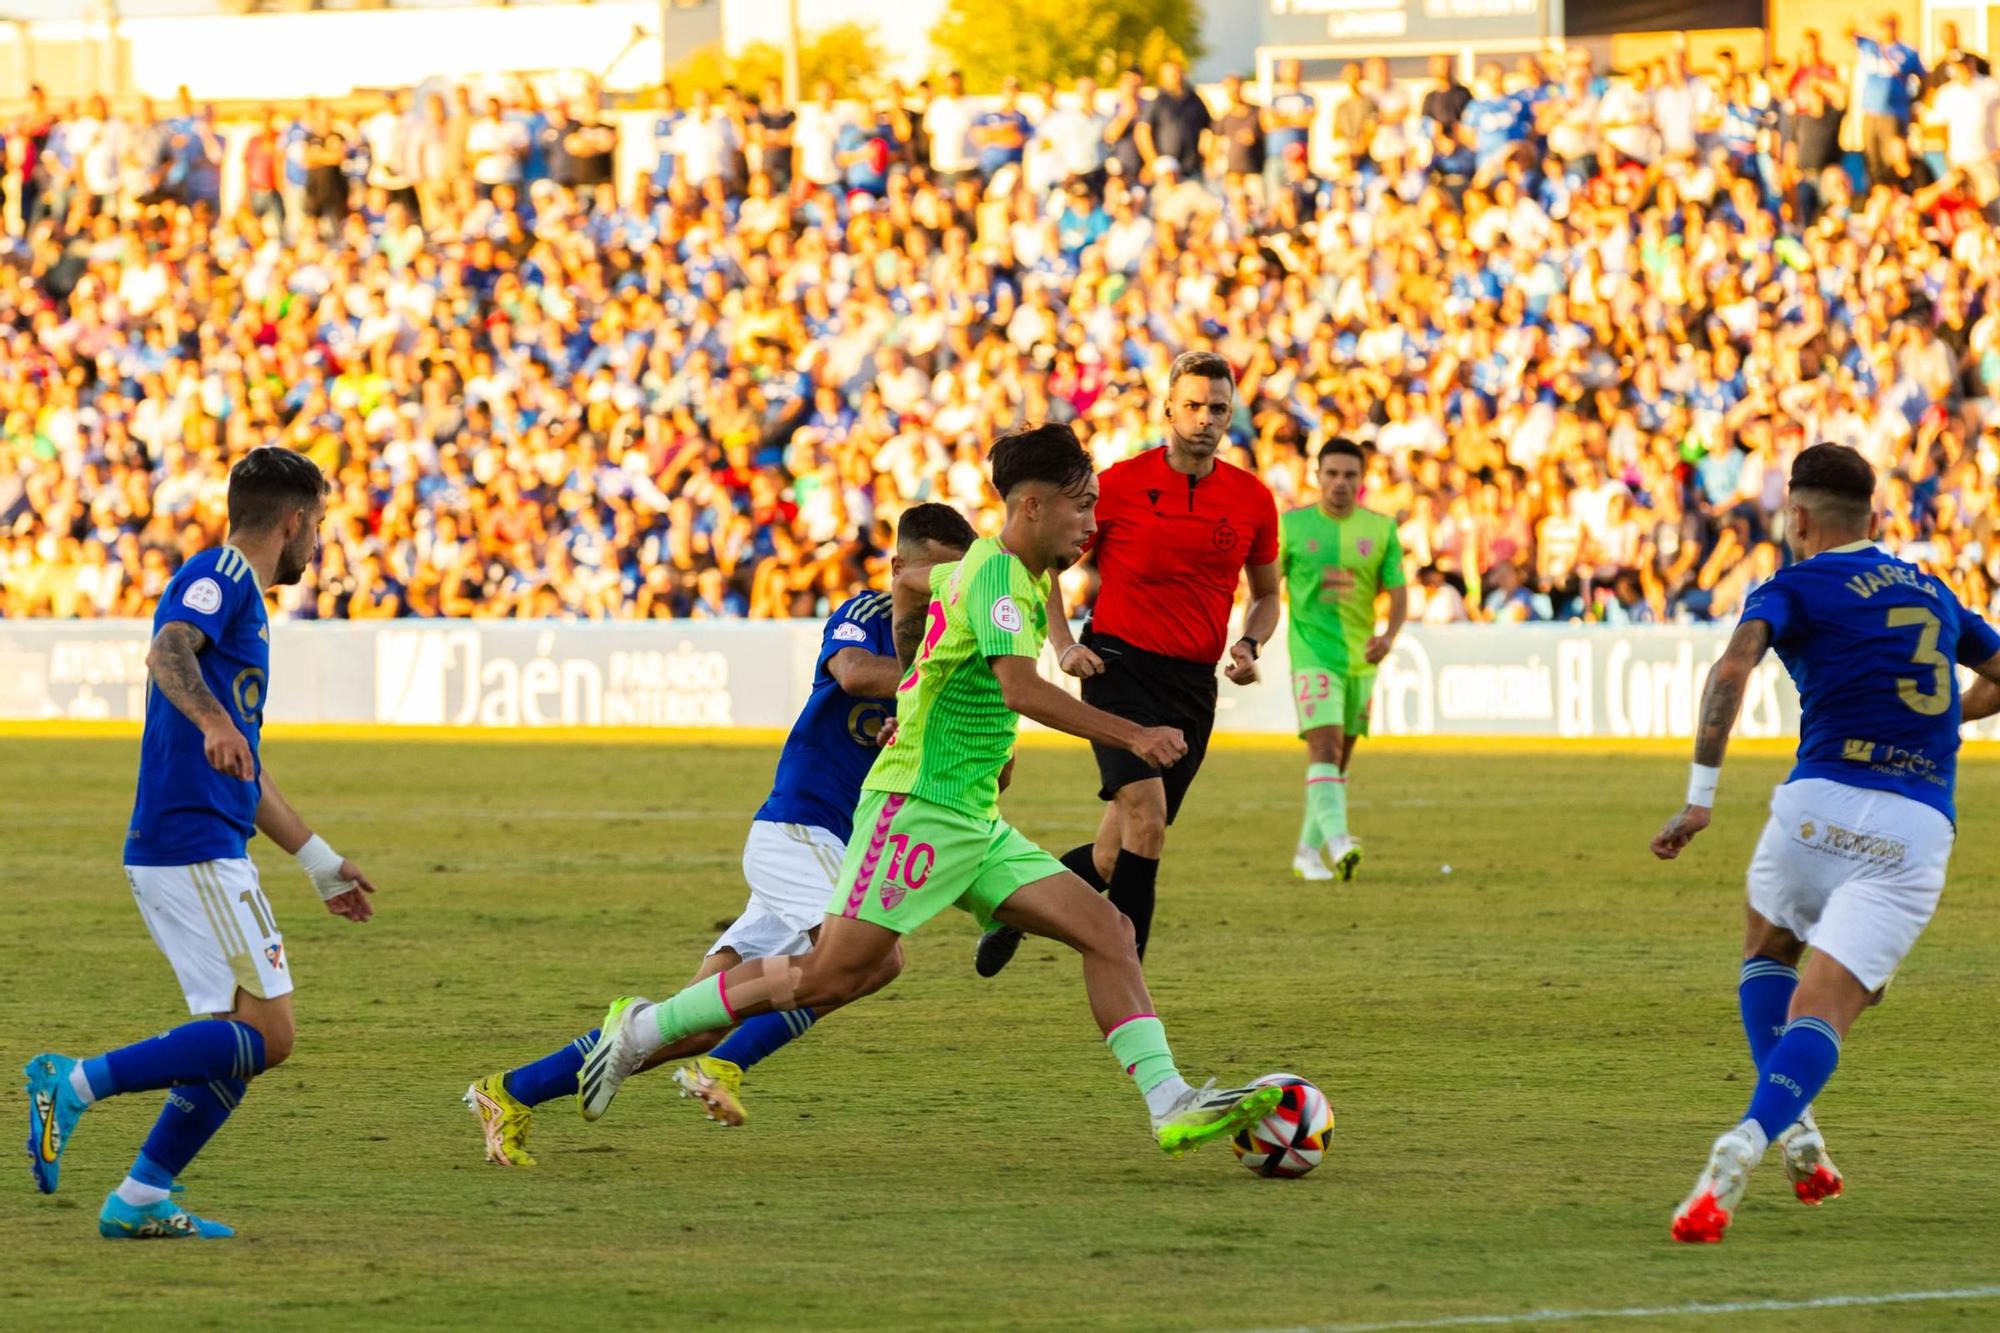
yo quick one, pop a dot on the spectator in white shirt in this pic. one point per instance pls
(948, 124)
(497, 146)
(815, 136)
(1967, 106)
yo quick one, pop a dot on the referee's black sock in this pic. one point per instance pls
(1082, 862)
(1132, 892)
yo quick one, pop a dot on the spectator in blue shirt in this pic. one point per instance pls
(1498, 120)
(1892, 73)
(1000, 134)
(863, 153)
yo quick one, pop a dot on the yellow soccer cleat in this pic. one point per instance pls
(716, 1085)
(502, 1119)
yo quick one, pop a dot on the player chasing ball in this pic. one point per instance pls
(1336, 557)
(791, 859)
(971, 633)
(1852, 860)
(202, 792)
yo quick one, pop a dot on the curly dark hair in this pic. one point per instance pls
(1049, 452)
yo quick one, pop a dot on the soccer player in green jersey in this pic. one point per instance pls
(1336, 558)
(928, 833)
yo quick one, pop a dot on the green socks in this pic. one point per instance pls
(1140, 1044)
(1326, 804)
(700, 1008)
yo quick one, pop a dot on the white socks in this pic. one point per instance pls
(1161, 1099)
(80, 1085)
(141, 1195)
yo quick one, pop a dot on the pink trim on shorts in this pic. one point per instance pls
(863, 877)
(722, 993)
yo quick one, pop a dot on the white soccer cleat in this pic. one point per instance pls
(1307, 863)
(1345, 856)
(1814, 1177)
(612, 1059)
(1705, 1214)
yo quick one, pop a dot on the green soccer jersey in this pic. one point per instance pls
(954, 732)
(1333, 568)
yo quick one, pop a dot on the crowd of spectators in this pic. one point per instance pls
(1584, 318)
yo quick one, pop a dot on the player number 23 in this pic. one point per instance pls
(1907, 687)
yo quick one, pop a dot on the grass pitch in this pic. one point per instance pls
(1527, 1058)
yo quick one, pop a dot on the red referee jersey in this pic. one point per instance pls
(1171, 549)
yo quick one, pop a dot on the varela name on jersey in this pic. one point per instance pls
(1873, 644)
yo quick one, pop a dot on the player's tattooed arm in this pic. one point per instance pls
(176, 671)
(1722, 697)
(174, 664)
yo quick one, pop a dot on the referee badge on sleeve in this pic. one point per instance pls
(1007, 615)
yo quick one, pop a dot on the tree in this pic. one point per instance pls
(848, 55)
(1062, 40)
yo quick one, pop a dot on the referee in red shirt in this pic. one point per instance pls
(1176, 528)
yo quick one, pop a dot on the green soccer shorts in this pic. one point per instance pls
(909, 859)
(1328, 698)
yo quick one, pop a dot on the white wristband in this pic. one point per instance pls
(1063, 656)
(1702, 781)
(322, 866)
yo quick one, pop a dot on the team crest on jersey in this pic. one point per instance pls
(203, 595)
(1312, 546)
(1007, 615)
(1364, 546)
(1225, 537)
(276, 953)
(1152, 497)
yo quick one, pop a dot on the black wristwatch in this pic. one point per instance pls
(1254, 646)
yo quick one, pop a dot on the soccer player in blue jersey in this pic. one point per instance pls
(791, 859)
(1852, 861)
(203, 791)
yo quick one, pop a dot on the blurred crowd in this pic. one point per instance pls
(1584, 317)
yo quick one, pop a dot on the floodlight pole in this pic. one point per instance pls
(791, 52)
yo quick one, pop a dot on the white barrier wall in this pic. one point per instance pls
(1557, 681)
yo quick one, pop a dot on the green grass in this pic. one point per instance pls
(1527, 1059)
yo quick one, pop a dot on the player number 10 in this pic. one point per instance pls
(910, 864)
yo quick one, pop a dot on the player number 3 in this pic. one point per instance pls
(1939, 697)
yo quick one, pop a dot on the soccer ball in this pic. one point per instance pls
(1290, 1141)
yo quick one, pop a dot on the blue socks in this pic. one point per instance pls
(1793, 1074)
(552, 1076)
(199, 1052)
(755, 1038)
(186, 1124)
(1764, 997)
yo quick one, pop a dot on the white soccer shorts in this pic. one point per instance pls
(215, 926)
(1854, 873)
(791, 869)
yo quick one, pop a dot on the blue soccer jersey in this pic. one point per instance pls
(1872, 643)
(186, 811)
(833, 742)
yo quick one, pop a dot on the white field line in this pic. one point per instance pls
(1696, 1310)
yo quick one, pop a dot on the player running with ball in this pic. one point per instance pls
(1852, 860)
(790, 860)
(1336, 557)
(929, 833)
(203, 791)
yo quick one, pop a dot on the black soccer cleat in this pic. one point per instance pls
(996, 950)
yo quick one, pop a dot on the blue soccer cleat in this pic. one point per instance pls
(53, 1110)
(165, 1220)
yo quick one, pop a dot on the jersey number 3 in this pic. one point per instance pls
(1938, 699)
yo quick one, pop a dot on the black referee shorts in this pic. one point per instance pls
(1153, 691)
